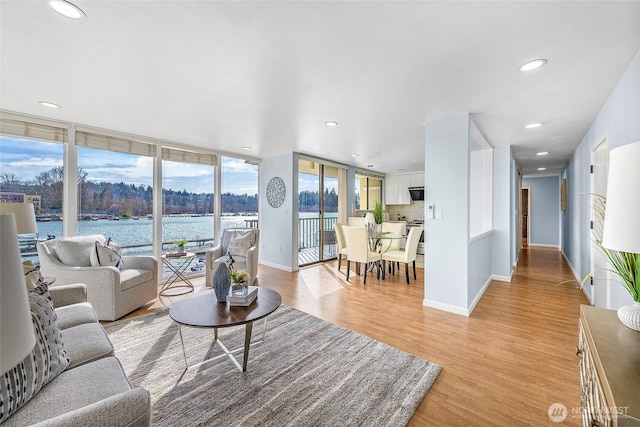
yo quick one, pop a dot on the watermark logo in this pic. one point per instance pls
(557, 412)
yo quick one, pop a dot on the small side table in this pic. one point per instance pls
(177, 265)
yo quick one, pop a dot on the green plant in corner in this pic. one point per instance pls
(378, 213)
(625, 264)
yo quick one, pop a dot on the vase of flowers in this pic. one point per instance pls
(239, 280)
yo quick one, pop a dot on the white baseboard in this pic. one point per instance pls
(544, 245)
(278, 266)
(446, 307)
(502, 278)
(475, 301)
(578, 278)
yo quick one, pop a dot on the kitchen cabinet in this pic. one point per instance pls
(396, 187)
(416, 179)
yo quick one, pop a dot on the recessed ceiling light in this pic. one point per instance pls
(355, 155)
(542, 169)
(246, 148)
(67, 9)
(532, 65)
(49, 104)
(542, 153)
(331, 124)
(533, 125)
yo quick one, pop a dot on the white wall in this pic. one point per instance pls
(502, 256)
(447, 187)
(619, 122)
(544, 210)
(278, 226)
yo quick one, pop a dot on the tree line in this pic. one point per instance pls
(119, 198)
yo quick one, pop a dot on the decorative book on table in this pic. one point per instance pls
(245, 299)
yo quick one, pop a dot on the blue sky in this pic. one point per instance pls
(27, 159)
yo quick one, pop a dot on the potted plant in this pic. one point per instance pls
(180, 244)
(378, 213)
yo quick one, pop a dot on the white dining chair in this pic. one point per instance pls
(397, 228)
(358, 251)
(408, 254)
(342, 247)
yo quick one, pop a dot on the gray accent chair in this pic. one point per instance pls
(218, 254)
(94, 389)
(112, 292)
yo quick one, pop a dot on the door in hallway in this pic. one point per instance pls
(525, 217)
(600, 171)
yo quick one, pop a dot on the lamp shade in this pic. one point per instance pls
(622, 210)
(25, 216)
(16, 328)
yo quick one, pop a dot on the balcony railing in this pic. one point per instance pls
(309, 239)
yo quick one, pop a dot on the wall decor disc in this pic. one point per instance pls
(276, 191)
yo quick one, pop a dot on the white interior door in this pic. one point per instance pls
(600, 287)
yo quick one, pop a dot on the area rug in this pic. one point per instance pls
(305, 372)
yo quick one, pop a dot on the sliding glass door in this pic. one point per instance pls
(318, 201)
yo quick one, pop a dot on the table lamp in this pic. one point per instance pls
(16, 328)
(621, 230)
(25, 217)
(621, 225)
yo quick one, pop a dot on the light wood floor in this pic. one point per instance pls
(502, 366)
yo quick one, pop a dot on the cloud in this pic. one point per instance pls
(37, 161)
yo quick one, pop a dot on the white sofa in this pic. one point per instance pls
(93, 390)
(112, 292)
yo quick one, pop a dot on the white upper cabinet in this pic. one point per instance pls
(417, 179)
(397, 187)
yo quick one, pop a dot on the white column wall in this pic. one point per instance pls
(447, 188)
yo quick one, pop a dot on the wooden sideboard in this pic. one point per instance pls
(609, 364)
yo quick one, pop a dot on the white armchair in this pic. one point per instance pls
(112, 292)
(245, 255)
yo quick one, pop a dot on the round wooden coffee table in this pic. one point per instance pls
(202, 310)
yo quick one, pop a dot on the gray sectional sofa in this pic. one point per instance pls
(93, 389)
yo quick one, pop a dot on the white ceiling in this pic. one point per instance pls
(268, 75)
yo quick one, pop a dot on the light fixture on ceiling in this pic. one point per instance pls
(49, 104)
(532, 65)
(542, 169)
(331, 124)
(533, 125)
(355, 155)
(67, 9)
(542, 153)
(246, 148)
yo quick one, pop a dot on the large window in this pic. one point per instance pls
(239, 193)
(124, 190)
(31, 170)
(188, 202)
(115, 178)
(115, 194)
(368, 192)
